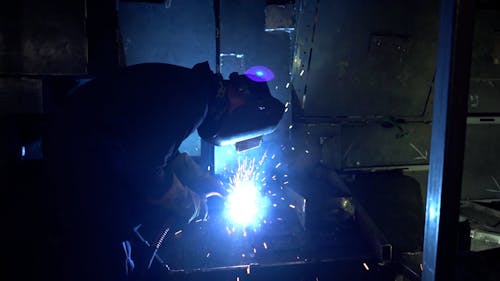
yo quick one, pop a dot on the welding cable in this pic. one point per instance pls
(212, 194)
(199, 203)
(205, 202)
(129, 263)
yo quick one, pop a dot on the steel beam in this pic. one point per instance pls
(448, 139)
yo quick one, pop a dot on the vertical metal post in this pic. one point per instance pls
(448, 139)
(207, 149)
(217, 35)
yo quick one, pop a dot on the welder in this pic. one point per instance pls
(113, 165)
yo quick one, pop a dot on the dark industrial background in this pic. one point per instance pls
(358, 79)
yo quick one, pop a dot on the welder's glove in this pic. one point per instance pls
(193, 176)
(185, 204)
(190, 188)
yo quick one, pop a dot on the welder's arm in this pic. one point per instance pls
(183, 203)
(189, 189)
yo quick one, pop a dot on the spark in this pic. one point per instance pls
(290, 127)
(301, 72)
(278, 165)
(292, 206)
(237, 278)
(421, 267)
(242, 255)
(274, 156)
(293, 148)
(287, 85)
(245, 205)
(265, 245)
(286, 182)
(254, 251)
(307, 151)
(275, 205)
(248, 270)
(261, 161)
(366, 266)
(178, 232)
(208, 255)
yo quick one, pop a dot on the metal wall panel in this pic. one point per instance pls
(20, 96)
(182, 34)
(481, 175)
(43, 37)
(373, 145)
(484, 95)
(365, 58)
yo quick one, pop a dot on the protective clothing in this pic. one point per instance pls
(107, 155)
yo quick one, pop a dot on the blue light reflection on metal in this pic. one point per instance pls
(259, 73)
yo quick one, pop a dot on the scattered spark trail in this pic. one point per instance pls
(245, 205)
(255, 182)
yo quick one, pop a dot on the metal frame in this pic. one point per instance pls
(448, 139)
(208, 149)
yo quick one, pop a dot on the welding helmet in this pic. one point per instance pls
(244, 126)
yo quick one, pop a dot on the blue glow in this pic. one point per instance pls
(245, 205)
(259, 73)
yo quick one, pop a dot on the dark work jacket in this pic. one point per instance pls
(105, 149)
